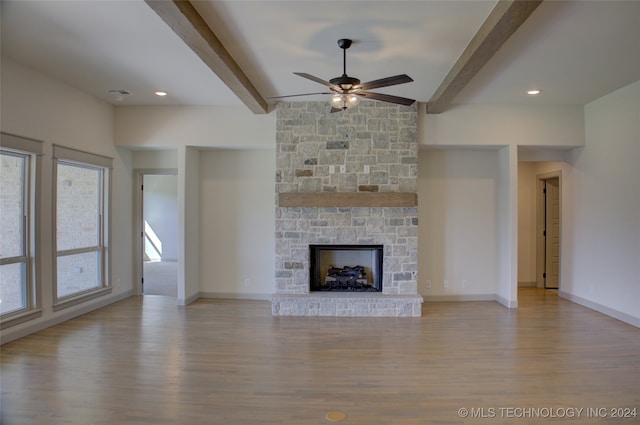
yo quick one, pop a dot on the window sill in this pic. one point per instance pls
(81, 298)
(17, 318)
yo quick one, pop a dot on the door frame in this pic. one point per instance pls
(138, 233)
(540, 226)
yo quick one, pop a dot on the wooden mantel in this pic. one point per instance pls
(348, 199)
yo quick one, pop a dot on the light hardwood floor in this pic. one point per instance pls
(146, 361)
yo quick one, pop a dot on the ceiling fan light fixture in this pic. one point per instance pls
(344, 101)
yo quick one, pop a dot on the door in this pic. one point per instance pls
(552, 233)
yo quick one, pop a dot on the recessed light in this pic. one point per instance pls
(161, 93)
(534, 92)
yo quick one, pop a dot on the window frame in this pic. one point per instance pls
(72, 157)
(31, 151)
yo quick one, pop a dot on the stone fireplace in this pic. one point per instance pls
(346, 179)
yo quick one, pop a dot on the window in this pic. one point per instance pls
(81, 222)
(19, 298)
(14, 247)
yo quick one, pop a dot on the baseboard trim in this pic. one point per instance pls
(623, 317)
(9, 335)
(236, 296)
(189, 300)
(456, 298)
(471, 297)
(507, 303)
(527, 284)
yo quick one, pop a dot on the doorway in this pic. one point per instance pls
(159, 233)
(549, 230)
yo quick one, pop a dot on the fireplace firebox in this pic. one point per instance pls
(346, 268)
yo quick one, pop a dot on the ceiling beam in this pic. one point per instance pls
(186, 22)
(505, 18)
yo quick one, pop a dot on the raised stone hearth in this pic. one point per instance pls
(368, 149)
(347, 305)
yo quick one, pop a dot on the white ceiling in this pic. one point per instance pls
(575, 51)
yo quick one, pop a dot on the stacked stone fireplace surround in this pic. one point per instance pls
(376, 145)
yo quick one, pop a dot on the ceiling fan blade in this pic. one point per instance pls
(386, 82)
(296, 95)
(386, 98)
(334, 110)
(318, 80)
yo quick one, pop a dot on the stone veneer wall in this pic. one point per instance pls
(311, 143)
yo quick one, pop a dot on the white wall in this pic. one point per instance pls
(507, 225)
(548, 129)
(526, 222)
(156, 159)
(602, 265)
(189, 233)
(237, 223)
(196, 126)
(500, 125)
(457, 203)
(38, 107)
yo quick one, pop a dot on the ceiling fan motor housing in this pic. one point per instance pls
(345, 82)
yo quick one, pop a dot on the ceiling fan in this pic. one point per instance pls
(347, 90)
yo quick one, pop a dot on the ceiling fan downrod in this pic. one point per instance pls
(344, 44)
(345, 82)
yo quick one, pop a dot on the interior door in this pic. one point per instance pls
(552, 233)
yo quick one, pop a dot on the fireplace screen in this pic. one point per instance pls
(346, 268)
